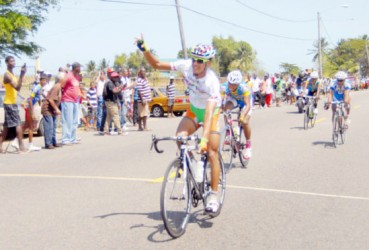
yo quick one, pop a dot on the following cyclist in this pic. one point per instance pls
(205, 101)
(237, 94)
(313, 87)
(339, 91)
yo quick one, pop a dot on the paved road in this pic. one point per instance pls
(298, 192)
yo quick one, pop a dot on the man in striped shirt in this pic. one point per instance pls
(144, 93)
(171, 92)
(92, 104)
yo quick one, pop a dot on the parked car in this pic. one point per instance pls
(38, 125)
(159, 103)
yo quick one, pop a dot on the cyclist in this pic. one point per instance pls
(205, 101)
(237, 94)
(313, 87)
(339, 91)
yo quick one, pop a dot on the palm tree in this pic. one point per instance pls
(91, 67)
(104, 64)
(315, 51)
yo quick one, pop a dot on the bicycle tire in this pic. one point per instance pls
(241, 148)
(226, 150)
(306, 118)
(335, 131)
(313, 120)
(342, 131)
(221, 186)
(175, 222)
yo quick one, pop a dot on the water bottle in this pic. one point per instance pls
(235, 132)
(199, 171)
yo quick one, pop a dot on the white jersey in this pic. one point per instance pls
(202, 89)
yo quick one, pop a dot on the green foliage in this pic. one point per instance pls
(136, 60)
(288, 68)
(120, 61)
(91, 67)
(18, 19)
(104, 65)
(233, 55)
(180, 54)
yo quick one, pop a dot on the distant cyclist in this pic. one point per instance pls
(339, 91)
(237, 94)
(313, 88)
(205, 102)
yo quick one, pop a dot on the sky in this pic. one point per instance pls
(279, 31)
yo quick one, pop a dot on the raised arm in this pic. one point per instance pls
(150, 58)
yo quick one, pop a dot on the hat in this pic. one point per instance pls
(76, 65)
(114, 74)
(109, 70)
(171, 77)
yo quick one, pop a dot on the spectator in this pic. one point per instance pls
(69, 105)
(263, 85)
(269, 90)
(135, 105)
(82, 106)
(112, 89)
(50, 110)
(92, 105)
(255, 81)
(171, 93)
(144, 93)
(127, 96)
(12, 85)
(101, 80)
(35, 98)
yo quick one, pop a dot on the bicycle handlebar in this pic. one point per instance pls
(181, 139)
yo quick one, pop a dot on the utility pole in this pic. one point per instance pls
(181, 30)
(320, 49)
(367, 52)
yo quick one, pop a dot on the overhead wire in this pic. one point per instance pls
(326, 31)
(275, 17)
(212, 17)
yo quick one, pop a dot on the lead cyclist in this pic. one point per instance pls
(205, 102)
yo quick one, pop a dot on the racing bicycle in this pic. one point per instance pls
(309, 116)
(339, 127)
(180, 190)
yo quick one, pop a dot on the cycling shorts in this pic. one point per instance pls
(198, 115)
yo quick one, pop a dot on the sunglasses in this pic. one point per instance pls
(199, 61)
(341, 80)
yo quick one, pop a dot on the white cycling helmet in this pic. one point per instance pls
(314, 75)
(341, 75)
(235, 77)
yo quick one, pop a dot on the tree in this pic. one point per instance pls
(288, 68)
(19, 19)
(136, 60)
(315, 51)
(120, 61)
(180, 54)
(104, 64)
(91, 67)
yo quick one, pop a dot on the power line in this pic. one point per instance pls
(214, 18)
(275, 17)
(326, 31)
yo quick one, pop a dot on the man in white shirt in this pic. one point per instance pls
(100, 83)
(255, 87)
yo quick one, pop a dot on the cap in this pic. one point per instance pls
(114, 74)
(44, 76)
(171, 77)
(109, 70)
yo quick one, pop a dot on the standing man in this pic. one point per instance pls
(144, 93)
(100, 81)
(256, 89)
(171, 92)
(12, 85)
(113, 89)
(69, 104)
(50, 110)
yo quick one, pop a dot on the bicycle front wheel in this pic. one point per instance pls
(342, 130)
(306, 118)
(335, 131)
(175, 201)
(242, 148)
(227, 147)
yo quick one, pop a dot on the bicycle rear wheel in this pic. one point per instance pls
(313, 120)
(221, 185)
(335, 131)
(175, 201)
(242, 148)
(227, 147)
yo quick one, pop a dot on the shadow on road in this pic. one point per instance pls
(299, 128)
(198, 217)
(324, 143)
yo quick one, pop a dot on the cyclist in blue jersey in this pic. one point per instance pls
(313, 88)
(236, 94)
(339, 91)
